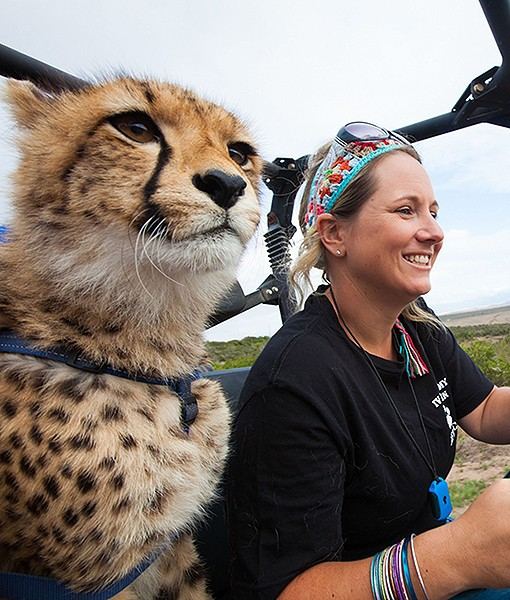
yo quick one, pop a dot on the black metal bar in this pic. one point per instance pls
(20, 66)
(430, 127)
(449, 122)
(283, 177)
(501, 121)
(497, 13)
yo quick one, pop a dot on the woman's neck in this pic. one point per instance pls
(365, 322)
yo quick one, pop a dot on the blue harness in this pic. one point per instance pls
(18, 586)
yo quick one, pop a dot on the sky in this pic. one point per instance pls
(296, 71)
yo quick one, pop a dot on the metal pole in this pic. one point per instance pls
(20, 66)
(497, 13)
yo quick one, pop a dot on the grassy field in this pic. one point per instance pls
(476, 464)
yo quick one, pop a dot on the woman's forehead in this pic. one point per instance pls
(401, 175)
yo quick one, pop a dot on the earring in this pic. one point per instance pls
(339, 252)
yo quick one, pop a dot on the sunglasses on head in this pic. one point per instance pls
(359, 131)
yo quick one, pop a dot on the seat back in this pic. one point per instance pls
(212, 536)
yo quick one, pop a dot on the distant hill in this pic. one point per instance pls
(484, 316)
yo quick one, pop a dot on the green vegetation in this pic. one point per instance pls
(471, 332)
(463, 493)
(488, 346)
(493, 358)
(235, 353)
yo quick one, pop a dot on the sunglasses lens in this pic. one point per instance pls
(365, 131)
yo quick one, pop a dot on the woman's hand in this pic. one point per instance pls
(483, 532)
(471, 552)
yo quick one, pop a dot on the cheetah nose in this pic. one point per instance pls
(224, 189)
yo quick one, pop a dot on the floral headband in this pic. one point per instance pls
(354, 146)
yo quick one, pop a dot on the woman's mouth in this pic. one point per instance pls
(418, 259)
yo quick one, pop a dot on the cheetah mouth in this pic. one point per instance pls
(213, 232)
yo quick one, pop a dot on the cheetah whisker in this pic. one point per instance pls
(157, 236)
(127, 271)
(164, 236)
(137, 266)
(133, 220)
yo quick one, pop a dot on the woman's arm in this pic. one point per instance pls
(490, 420)
(471, 552)
(351, 580)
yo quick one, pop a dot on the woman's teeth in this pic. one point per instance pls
(420, 259)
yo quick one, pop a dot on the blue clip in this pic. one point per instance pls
(440, 499)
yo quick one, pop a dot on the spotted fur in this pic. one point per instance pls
(121, 246)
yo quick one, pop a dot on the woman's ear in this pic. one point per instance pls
(331, 231)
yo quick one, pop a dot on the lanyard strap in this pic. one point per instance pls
(428, 461)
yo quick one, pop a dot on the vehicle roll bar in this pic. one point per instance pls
(16, 65)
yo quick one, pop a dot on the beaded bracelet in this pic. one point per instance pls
(390, 576)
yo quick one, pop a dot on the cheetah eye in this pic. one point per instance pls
(240, 153)
(137, 126)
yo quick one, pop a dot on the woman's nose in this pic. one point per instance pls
(430, 231)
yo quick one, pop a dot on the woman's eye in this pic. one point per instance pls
(434, 214)
(136, 126)
(405, 210)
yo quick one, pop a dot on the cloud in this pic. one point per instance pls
(471, 159)
(472, 270)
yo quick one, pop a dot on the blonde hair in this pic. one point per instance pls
(311, 252)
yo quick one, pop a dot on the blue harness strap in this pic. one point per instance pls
(18, 586)
(13, 344)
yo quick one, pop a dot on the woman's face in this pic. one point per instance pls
(393, 241)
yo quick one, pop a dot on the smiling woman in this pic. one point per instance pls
(348, 420)
(391, 191)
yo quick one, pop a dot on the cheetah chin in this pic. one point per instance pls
(133, 201)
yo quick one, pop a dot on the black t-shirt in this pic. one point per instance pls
(322, 469)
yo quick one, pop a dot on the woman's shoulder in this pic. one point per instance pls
(301, 345)
(433, 334)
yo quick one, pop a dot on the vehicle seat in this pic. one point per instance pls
(212, 537)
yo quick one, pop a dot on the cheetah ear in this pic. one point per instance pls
(27, 102)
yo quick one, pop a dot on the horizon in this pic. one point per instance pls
(468, 313)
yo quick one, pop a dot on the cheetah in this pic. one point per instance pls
(133, 201)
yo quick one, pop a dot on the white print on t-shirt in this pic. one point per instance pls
(438, 401)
